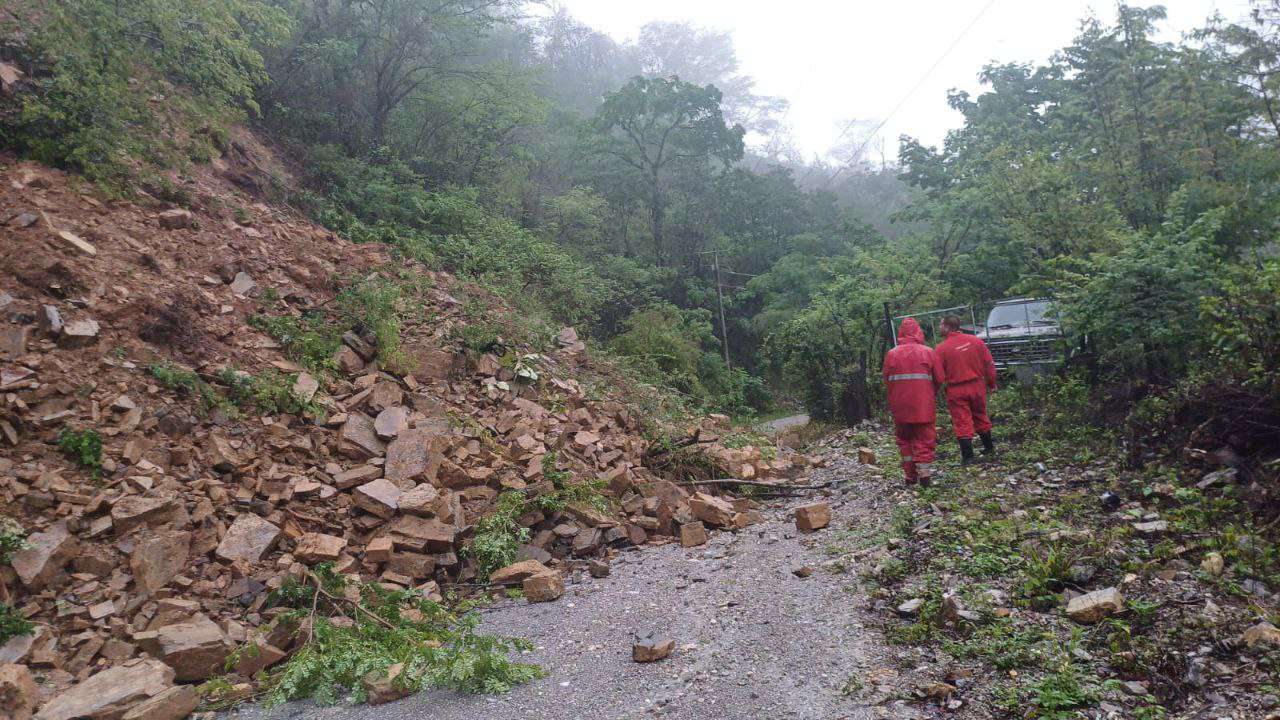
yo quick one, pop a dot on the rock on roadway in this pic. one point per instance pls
(752, 640)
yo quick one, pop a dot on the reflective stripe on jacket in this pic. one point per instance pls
(912, 376)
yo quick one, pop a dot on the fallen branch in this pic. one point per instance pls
(755, 483)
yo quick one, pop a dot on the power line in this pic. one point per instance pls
(910, 92)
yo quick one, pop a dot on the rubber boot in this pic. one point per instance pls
(988, 445)
(966, 451)
(909, 472)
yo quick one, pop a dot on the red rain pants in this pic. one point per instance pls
(916, 442)
(967, 403)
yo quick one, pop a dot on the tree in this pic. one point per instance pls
(655, 125)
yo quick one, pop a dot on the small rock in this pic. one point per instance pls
(174, 703)
(910, 607)
(1212, 563)
(652, 649)
(79, 333)
(598, 568)
(243, 284)
(47, 553)
(711, 510)
(176, 219)
(318, 547)
(866, 456)
(1264, 633)
(305, 387)
(803, 572)
(380, 497)
(1154, 527)
(391, 422)
(18, 693)
(195, 649)
(249, 538)
(517, 572)
(78, 242)
(383, 689)
(813, 517)
(1094, 606)
(544, 587)
(693, 534)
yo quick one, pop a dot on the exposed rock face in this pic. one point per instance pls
(109, 694)
(249, 538)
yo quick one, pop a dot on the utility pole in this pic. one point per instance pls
(724, 333)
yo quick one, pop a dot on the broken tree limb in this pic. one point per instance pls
(754, 483)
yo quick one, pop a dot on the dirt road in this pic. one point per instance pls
(754, 640)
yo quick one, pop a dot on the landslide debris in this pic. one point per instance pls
(201, 406)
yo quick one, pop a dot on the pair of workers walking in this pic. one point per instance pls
(913, 374)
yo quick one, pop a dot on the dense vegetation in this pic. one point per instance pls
(604, 184)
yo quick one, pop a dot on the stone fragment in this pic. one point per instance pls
(391, 422)
(78, 242)
(1154, 527)
(79, 333)
(356, 476)
(544, 587)
(195, 649)
(1264, 633)
(1213, 563)
(13, 341)
(866, 456)
(379, 550)
(693, 534)
(175, 703)
(380, 497)
(711, 510)
(348, 361)
(109, 694)
(177, 219)
(1094, 606)
(358, 440)
(424, 501)
(652, 649)
(221, 455)
(318, 547)
(18, 693)
(50, 319)
(517, 572)
(384, 394)
(812, 517)
(413, 457)
(159, 558)
(409, 532)
(132, 511)
(47, 553)
(242, 284)
(910, 607)
(249, 538)
(305, 387)
(412, 565)
(382, 689)
(258, 656)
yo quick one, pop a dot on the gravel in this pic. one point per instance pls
(753, 640)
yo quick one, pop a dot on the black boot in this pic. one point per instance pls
(988, 445)
(966, 451)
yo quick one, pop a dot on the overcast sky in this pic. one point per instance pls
(841, 59)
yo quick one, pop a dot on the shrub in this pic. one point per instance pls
(12, 623)
(103, 77)
(84, 447)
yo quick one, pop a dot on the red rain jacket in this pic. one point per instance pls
(912, 375)
(964, 358)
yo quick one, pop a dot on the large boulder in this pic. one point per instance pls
(109, 694)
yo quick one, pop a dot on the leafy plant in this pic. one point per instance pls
(498, 535)
(435, 647)
(12, 623)
(84, 447)
(12, 539)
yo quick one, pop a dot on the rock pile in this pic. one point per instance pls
(148, 566)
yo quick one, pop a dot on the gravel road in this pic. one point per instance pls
(753, 639)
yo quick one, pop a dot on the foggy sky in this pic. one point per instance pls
(841, 59)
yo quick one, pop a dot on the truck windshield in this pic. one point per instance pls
(1031, 313)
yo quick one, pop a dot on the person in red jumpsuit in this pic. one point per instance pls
(969, 372)
(912, 376)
